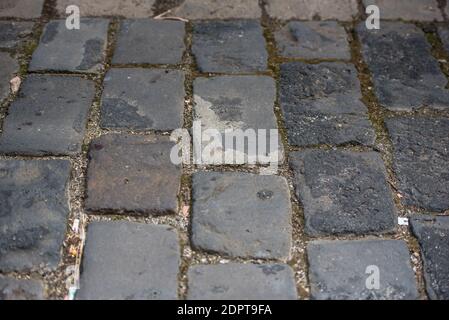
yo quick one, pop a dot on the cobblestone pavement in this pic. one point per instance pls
(86, 181)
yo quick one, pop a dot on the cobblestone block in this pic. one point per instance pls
(124, 8)
(12, 33)
(13, 289)
(8, 67)
(217, 9)
(26, 9)
(420, 10)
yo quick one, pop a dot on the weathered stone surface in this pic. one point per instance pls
(339, 270)
(344, 10)
(13, 289)
(241, 214)
(236, 281)
(433, 236)
(141, 99)
(130, 261)
(421, 157)
(313, 40)
(132, 174)
(343, 192)
(150, 41)
(405, 74)
(218, 9)
(49, 116)
(8, 66)
(33, 213)
(321, 104)
(125, 8)
(62, 49)
(421, 10)
(229, 46)
(26, 9)
(13, 32)
(236, 103)
(443, 32)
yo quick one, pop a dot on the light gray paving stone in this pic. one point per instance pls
(132, 174)
(321, 104)
(13, 289)
(8, 67)
(421, 157)
(338, 270)
(405, 74)
(142, 99)
(344, 10)
(150, 41)
(48, 117)
(33, 213)
(124, 8)
(27, 9)
(218, 9)
(12, 33)
(229, 46)
(343, 192)
(237, 103)
(241, 215)
(236, 281)
(420, 10)
(433, 236)
(313, 40)
(130, 261)
(61, 49)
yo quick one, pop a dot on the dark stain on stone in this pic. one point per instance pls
(227, 109)
(118, 113)
(50, 32)
(272, 270)
(92, 54)
(265, 194)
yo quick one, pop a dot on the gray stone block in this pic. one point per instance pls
(27, 289)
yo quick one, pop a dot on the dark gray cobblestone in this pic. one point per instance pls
(81, 50)
(142, 99)
(12, 33)
(235, 281)
(13, 289)
(8, 67)
(150, 41)
(229, 46)
(343, 192)
(433, 236)
(321, 104)
(26, 9)
(48, 117)
(130, 261)
(33, 213)
(132, 174)
(241, 215)
(313, 40)
(421, 157)
(338, 270)
(405, 75)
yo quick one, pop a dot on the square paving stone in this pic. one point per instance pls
(421, 10)
(49, 116)
(344, 10)
(61, 49)
(150, 41)
(343, 192)
(8, 67)
(340, 270)
(241, 215)
(130, 261)
(124, 8)
(218, 9)
(313, 40)
(27, 9)
(132, 174)
(12, 33)
(405, 74)
(237, 103)
(237, 281)
(33, 213)
(142, 99)
(421, 158)
(13, 289)
(433, 236)
(229, 46)
(321, 104)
